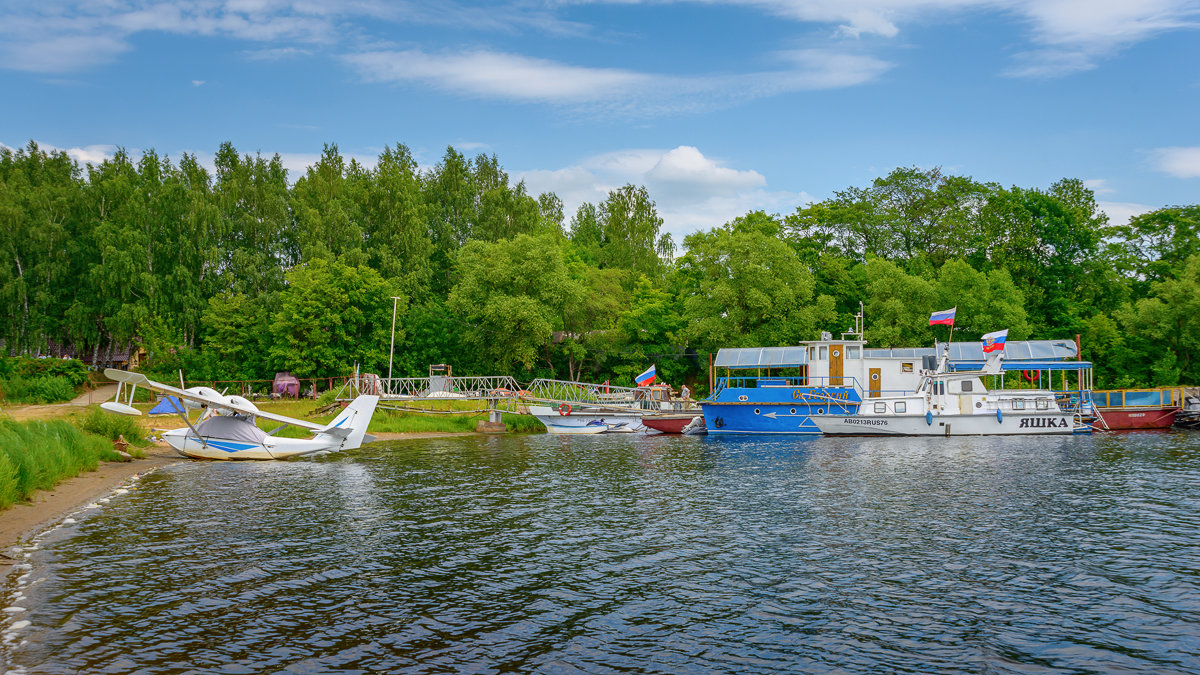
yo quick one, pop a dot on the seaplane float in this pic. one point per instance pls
(226, 428)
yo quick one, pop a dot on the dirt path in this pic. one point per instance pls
(34, 412)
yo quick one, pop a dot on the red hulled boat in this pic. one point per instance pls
(671, 423)
(1128, 409)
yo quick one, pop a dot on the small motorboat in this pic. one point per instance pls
(592, 427)
(671, 423)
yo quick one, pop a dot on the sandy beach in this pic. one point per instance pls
(45, 508)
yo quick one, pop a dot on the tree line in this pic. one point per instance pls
(240, 272)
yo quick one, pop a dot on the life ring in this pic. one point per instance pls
(1031, 375)
(564, 409)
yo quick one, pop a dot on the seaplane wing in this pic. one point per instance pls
(197, 397)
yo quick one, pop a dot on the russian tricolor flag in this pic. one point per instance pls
(946, 317)
(647, 378)
(994, 341)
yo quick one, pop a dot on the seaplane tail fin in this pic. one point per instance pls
(350, 427)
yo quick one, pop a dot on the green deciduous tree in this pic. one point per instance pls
(330, 317)
(744, 287)
(625, 233)
(512, 294)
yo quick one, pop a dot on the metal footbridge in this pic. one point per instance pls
(444, 393)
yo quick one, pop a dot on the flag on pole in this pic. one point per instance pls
(647, 378)
(944, 317)
(994, 341)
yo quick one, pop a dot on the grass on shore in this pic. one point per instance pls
(37, 455)
(110, 426)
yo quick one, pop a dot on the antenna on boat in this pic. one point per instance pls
(859, 323)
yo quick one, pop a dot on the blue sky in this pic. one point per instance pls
(718, 107)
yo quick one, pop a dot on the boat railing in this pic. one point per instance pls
(1138, 398)
(751, 382)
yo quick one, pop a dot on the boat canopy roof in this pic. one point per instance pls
(1015, 350)
(762, 357)
(960, 352)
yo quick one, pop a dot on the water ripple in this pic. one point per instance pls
(637, 554)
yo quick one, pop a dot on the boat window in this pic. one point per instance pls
(966, 385)
(901, 407)
(1018, 404)
(757, 411)
(793, 411)
(824, 354)
(1043, 404)
(906, 367)
(854, 352)
(880, 407)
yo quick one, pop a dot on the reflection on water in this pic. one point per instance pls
(604, 554)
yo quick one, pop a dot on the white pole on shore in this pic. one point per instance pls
(392, 347)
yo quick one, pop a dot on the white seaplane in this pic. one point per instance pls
(226, 428)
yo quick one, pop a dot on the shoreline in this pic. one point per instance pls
(25, 520)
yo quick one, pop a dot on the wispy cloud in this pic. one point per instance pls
(1065, 36)
(1061, 37)
(1180, 162)
(59, 36)
(497, 75)
(522, 79)
(276, 53)
(691, 191)
(69, 35)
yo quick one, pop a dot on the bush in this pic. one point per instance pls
(73, 370)
(38, 389)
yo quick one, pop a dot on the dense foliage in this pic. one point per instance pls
(240, 273)
(26, 380)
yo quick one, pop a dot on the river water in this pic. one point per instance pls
(646, 554)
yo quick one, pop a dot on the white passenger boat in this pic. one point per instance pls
(569, 419)
(957, 404)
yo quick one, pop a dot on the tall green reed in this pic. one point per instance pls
(38, 455)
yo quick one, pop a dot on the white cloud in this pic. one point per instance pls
(691, 191)
(497, 75)
(1119, 213)
(88, 154)
(1180, 162)
(198, 83)
(518, 78)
